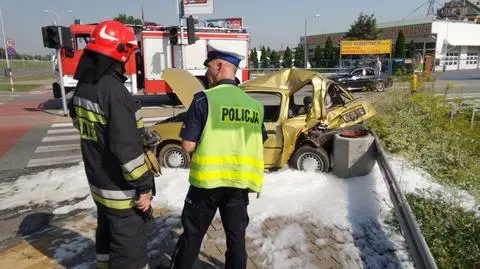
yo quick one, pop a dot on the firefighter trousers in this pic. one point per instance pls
(198, 212)
(121, 239)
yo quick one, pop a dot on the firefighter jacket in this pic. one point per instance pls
(230, 150)
(111, 127)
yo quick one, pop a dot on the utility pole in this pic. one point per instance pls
(6, 53)
(431, 10)
(181, 14)
(59, 61)
(305, 59)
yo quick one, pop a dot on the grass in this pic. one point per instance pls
(453, 234)
(18, 88)
(29, 78)
(419, 128)
(27, 64)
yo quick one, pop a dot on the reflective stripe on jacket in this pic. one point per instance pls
(230, 150)
(111, 128)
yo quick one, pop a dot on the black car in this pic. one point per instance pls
(363, 78)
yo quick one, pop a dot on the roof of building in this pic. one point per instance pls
(405, 22)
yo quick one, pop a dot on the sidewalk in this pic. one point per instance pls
(70, 243)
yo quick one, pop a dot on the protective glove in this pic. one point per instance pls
(151, 140)
(152, 163)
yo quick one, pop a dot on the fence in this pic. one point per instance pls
(255, 72)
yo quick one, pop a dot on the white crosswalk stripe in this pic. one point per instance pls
(61, 145)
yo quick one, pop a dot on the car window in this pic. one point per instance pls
(357, 73)
(301, 101)
(370, 72)
(81, 41)
(333, 96)
(272, 103)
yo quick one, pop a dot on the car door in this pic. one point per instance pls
(354, 82)
(273, 146)
(367, 79)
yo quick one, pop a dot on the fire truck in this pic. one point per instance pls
(160, 47)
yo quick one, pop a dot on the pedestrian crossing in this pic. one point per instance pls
(61, 145)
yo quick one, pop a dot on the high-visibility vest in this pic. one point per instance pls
(230, 150)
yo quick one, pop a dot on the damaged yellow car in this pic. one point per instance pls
(303, 112)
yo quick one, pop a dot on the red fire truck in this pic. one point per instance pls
(158, 50)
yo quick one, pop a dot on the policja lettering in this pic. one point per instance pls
(239, 114)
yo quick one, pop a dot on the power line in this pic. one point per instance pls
(415, 10)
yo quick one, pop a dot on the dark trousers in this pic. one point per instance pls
(198, 212)
(121, 239)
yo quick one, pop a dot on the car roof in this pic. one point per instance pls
(284, 80)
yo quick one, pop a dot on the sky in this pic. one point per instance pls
(276, 24)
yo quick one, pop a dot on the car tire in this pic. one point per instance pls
(379, 86)
(173, 156)
(307, 158)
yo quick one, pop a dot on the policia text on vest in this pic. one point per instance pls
(239, 114)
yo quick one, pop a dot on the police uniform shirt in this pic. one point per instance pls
(196, 117)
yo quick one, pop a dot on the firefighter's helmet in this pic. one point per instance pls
(113, 39)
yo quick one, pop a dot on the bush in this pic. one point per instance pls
(452, 234)
(419, 128)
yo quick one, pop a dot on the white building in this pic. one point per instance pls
(453, 44)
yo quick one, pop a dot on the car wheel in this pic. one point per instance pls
(379, 86)
(307, 158)
(173, 156)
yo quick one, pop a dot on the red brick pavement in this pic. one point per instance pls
(21, 114)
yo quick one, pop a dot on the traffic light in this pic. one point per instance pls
(191, 30)
(173, 35)
(51, 37)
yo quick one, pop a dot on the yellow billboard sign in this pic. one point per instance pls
(357, 47)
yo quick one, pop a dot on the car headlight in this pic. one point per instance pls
(354, 114)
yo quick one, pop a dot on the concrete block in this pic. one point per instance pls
(353, 154)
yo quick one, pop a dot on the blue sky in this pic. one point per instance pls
(271, 22)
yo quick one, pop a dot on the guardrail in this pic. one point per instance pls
(418, 248)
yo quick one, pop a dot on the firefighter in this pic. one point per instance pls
(224, 130)
(112, 141)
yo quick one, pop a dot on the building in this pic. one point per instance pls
(453, 44)
(460, 10)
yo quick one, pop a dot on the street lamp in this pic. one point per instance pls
(56, 15)
(316, 16)
(59, 57)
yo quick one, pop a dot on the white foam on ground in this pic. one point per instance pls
(359, 205)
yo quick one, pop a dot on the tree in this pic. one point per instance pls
(364, 28)
(287, 58)
(264, 58)
(275, 59)
(410, 49)
(329, 53)
(123, 18)
(400, 51)
(318, 56)
(254, 57)
(299, 57)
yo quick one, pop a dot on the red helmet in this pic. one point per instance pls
(113, 39)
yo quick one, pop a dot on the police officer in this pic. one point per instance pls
(111, 128)
(224, 130)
